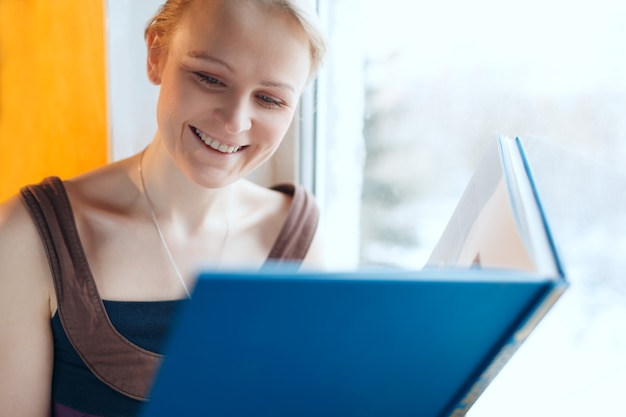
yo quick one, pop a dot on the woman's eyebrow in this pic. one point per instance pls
(286, 86)
(203, 56)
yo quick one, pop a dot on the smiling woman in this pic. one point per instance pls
(217, 77)
(52, 53)
(121, 243)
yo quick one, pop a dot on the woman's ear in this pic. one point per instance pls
(155, 57)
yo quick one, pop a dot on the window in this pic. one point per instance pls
(409, 98)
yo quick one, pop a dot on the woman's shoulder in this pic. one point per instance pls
(15, 222)
(290, 214)
(267, 203)
(281, 194)
(26, 304)
(108, 185)
(23, 262)
(18, 231)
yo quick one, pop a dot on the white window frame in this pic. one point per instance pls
(335, 160)
(131, 97)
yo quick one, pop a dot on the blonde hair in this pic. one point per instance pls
(165, 22)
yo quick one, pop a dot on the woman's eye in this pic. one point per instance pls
(269, 101)
(207, 79)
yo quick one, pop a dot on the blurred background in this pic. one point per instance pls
(438, 82)
(410, 96)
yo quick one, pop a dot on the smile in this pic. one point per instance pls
(215, 144)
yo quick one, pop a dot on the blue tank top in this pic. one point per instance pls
(145, 324)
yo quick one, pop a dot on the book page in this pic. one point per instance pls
(479, 190)
(498, 222)
(493, 240)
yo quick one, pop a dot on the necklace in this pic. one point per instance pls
(162, 237)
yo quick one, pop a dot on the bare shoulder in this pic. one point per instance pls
(106, 188)
(11, 211)
(15, 224)
(23, 262)
(263, 205)
(276, 200)
(272, 208)
(18, 234)
(26, 305)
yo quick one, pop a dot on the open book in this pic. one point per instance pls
(280, 342)
(500, 224)
(499, 221)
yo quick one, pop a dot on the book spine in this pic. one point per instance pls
(507, 351)
(542, 212)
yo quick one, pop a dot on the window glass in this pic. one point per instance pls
(410, 97)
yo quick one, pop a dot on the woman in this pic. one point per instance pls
(132, 232)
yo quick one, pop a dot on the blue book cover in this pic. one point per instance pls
(377, 342)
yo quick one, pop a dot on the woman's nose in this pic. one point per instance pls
(237, 117)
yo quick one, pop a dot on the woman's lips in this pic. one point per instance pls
(215, 144)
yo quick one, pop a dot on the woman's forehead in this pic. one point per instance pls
(235, 12)
(246, 32)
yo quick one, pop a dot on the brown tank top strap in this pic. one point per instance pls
(296, 236)
(125, 367)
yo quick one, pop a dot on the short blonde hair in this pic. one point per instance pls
(165, 22)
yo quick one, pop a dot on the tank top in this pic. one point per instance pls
(82, 317)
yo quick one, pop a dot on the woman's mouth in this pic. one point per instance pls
(214, 143)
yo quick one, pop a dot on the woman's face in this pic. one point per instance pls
(230, 83)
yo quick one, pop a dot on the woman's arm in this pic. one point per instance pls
(26, 347)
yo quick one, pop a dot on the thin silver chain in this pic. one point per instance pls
(160, 232)
(158, 228)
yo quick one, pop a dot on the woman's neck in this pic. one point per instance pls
(174, 198)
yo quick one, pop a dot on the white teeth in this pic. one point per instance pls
(221, 147)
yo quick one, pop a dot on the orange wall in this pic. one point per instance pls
(53, 115)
